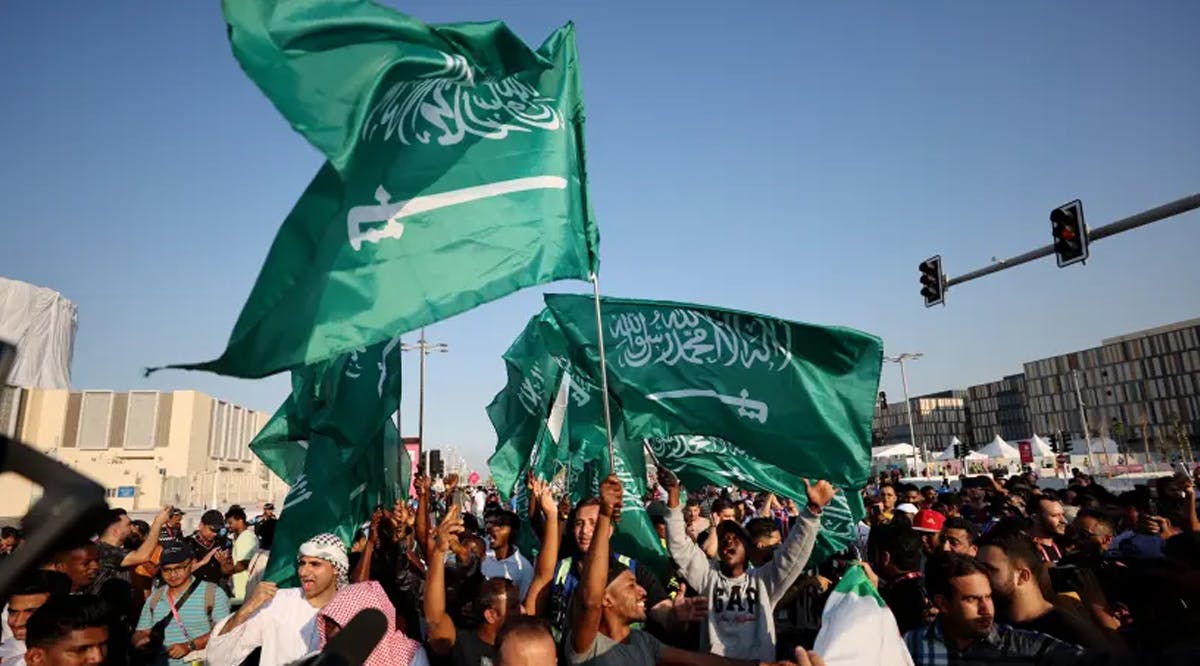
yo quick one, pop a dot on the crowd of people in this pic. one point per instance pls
(998, 570)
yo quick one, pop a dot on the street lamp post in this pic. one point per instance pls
(425, 348)
(912, 431)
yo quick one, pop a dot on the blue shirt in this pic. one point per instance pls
(193, 613)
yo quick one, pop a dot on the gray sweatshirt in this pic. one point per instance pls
(741, 622)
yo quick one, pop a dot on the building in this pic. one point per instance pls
(147, 448)
(999, 408)
(937, 418)
(1146, 382)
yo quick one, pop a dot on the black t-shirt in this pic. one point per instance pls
(210, 572)
(906, 598)
(468, 650)
(1067, 628)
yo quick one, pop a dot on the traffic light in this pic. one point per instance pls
(933, 283)
(1070, 233)
(960, 450)
(435, 464)
(1054, 443)
(882, 401)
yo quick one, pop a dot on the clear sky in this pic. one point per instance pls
(793, 158)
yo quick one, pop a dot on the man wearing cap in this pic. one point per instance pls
(174, 527)
(740, 619)
(185, 609)
(928, 523)
(264, 527)
(210, 551)
(283, 623)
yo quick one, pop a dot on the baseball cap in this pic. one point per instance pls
(269, 505)
(213, 519)
(906, 507)
(177, 511)
(173, 552)
(928, 520)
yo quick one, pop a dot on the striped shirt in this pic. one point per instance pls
(1002, 645)
(194, 616)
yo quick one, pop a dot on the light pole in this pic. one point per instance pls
(912, 431)
(425, 348)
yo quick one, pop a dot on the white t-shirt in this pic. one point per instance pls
(286, 628)
(514, 567)
(244, 549)
(480, 502)
(12, 652)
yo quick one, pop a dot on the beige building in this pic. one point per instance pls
(147, 448)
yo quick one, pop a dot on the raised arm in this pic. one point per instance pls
(146, 550)
(421, 522)
(692, 562)
(441, 625)
(543, 571)
(594, 581)
(362, 570)
(790, 559)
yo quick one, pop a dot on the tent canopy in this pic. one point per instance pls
(1040, 448)
(947, 454)
(998, 448)
(976, 455)
(1079, 447)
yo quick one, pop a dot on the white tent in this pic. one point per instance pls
(1079, 447)
(975, 455)
(1040, 448)
(942, 456)
(901, 450)
(998, 448)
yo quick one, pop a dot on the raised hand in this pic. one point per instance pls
(421, 484)
(611, 497)
(541, 492)
(819, 493)
(447, 531)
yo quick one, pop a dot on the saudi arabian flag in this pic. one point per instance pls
(705, 461)
(455, 175)
(797, 396)
(858, 628)
(333, 441)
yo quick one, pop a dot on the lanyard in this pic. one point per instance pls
(178, 620)
(1046, 556)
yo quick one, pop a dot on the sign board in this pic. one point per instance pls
(1026, 449)
(126, 492)
(412, 446)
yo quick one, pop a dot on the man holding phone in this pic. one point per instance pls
(211, 552)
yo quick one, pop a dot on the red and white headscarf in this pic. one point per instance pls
(395, 648)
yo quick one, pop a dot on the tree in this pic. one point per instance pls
(1120, 435)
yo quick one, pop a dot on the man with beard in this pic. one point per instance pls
(740, 618)
(283, 623)
(965, 632)
(115, 560)
(958, 536)
(1049, 526)
(1022, 589)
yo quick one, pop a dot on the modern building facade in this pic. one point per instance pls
(937, 419)
(147, 448)
(999, 408)
(1146, 382)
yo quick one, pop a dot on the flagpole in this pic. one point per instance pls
(612, 468)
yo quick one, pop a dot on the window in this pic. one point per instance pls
(141, 420)
(10, 409)
(95, 419)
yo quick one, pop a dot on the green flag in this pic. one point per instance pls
(347, 400)
(704, 461)
(798, 396)
(455, 176)
(334, 443)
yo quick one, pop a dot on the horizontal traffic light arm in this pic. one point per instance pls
(1172, 209)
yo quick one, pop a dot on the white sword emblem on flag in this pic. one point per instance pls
(391, 213)
(752, 409)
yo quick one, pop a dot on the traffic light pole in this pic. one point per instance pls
(1163, 212)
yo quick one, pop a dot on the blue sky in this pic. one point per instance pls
(795, 159)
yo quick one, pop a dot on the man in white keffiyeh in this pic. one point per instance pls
(284, 622)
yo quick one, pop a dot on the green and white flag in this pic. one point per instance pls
(333, 441)
(705, 461)
(797, 396)
(456, 175)
(857, 627)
